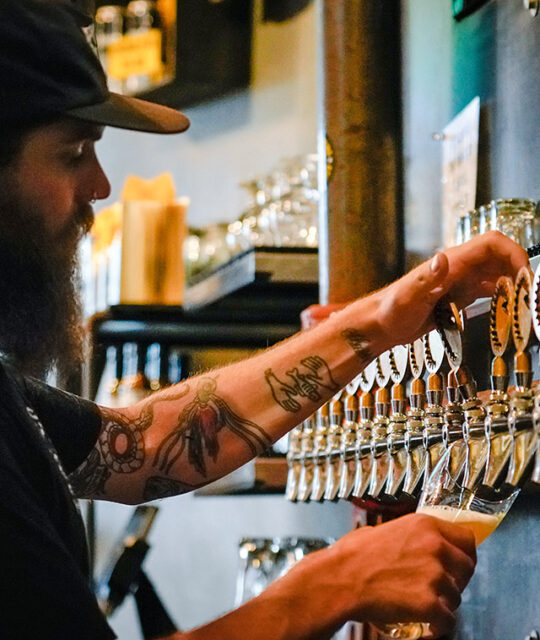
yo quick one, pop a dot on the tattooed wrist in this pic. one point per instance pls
(305, 381)
(359, 344)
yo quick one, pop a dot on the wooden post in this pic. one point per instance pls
(361, 229)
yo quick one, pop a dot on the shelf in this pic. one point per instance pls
(262, 476)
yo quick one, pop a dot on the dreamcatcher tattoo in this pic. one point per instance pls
(198, 427)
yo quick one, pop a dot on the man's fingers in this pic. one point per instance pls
(459, 536)
(459, 565)
(450, 595)
(491, 247)
(502, 246)
(442, 620)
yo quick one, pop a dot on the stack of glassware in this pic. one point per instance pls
(263, 560)
(283, 206)
(282, 211)
(518, 218)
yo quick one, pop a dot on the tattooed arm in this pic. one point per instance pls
(202, 429)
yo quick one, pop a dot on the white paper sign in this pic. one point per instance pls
(459, 167)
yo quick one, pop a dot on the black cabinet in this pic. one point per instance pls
(213, 50)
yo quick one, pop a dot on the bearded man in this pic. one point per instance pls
(55, 447)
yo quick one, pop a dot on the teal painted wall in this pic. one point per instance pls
(493, 53)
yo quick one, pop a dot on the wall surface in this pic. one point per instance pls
(493, 53)
(233, 138)
(193, 560)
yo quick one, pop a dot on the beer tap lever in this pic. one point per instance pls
(433, 425)
(379, 447)
(397, 454)
(414, 440)
(333, 449)
(363, 445)
(348, 442)
(496, 426)
(474, 435)
(320, 435)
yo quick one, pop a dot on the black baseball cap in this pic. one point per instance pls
(48, 69)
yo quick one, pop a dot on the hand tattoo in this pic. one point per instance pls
(305, 383)
(198, 427)
(359, 344)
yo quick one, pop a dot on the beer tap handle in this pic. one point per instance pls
(434, 390)
(417, 399)
(523, 370)
(499, 376)
(466, 383)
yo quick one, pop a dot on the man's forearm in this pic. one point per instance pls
(205, 427)
(209, 425)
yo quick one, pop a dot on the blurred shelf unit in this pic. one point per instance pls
(189, 51)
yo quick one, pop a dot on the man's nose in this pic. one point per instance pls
(102, 186)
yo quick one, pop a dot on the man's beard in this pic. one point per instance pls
(40, 317)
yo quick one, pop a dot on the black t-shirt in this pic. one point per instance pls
(44, 583)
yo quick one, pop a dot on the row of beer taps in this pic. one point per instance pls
(372, 442)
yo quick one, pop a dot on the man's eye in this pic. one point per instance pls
(75, 154)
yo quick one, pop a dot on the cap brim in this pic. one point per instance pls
(125, 112)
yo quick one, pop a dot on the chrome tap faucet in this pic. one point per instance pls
(397, 454)
(293, 463)
(347, 465)
(433, 425)
(318, 482)
(454, 419)
(536, 425)
(414, 440)
(333, 449)
(474, 434)
(524, 438)
(496, 426)
(362, 473)
(520, 421)
(379, 447)
(306, 460)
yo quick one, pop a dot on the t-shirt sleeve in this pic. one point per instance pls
(72, 423)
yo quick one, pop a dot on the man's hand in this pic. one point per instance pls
(463, 273)
(412, 569)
